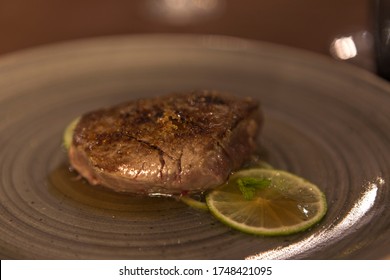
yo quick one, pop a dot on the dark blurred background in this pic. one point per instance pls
(312, 25)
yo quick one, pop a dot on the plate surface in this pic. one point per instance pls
(325, 121)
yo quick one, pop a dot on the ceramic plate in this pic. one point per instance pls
(325, 121)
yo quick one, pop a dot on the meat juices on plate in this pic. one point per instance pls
(171, 144)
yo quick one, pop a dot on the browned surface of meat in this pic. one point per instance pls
(170, 144)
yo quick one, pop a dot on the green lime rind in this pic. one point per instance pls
(194, 203)
(264, 214)
(68, 133)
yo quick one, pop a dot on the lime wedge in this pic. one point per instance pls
(194, 202)
(198, 201)
(68, 133)
(267, 202)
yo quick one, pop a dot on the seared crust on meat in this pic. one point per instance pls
(169, 144)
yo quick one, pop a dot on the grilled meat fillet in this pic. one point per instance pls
(172, 144)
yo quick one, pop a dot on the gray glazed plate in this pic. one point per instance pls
(325, 121)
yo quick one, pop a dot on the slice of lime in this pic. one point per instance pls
(68, 133)
(267, 202)
(195, 202)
